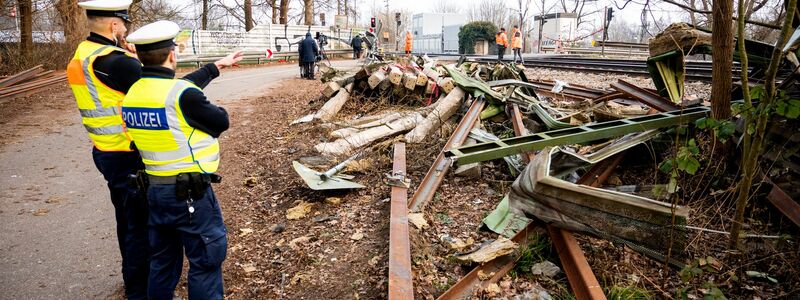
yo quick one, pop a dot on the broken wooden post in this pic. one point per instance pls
(331, 88)
(363, 138)
(443, 111)
(334, 105)
(395, 75)
(409, 81)
(447, 84)
(376, 78)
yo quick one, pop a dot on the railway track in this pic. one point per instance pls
(695, 70)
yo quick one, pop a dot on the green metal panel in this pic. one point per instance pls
(590, 132)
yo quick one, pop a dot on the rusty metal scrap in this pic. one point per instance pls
(582, 280)
(647, 97)
(574, 135)
(783, 202)
(433, 178)
(596, 211)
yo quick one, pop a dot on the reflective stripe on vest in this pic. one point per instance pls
(97, 103)
(167, 143)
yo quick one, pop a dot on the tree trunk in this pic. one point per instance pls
(722, 55)
(73, 21)
(309, 12)
(248, 15)
(25, 8)
(274, 5)
(753, 144)
(284, 11)
(204, 22)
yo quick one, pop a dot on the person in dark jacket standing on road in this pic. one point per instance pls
(356, 44)
(308, 53)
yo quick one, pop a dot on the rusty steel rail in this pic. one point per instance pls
(783, 202)
(401, 286)
(581, 278)
(583, 282)
(465, 287)
(433, 178)
(647, 97)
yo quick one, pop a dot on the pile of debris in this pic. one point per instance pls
(580, 134)
(29, 82)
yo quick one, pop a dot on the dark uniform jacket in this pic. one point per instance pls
(308, 50)
(356, 43)
(119, 72)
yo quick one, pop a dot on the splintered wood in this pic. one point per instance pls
(394, 81)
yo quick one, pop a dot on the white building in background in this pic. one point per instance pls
(436, 33)
(557, 26)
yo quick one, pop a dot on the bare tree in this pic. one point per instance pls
(204, 23)
(489, 10)
(722, 59)
(73, 21)
(284, 8)
(308, 12)
(25, 9)
(446, 6)
(576, 7)
(274, 6)
(248, 15)
(148, 11)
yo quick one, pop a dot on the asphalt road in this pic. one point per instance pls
(58, 239)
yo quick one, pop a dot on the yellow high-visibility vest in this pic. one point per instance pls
(98, 104)
(168, 144)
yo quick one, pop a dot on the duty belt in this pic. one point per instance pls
(211, 178)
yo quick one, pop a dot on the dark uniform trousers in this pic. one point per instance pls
(130, 210)
(500, 51)
(202, 235)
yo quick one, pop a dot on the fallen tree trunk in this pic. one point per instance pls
(443, 111)
(349, 144)
(334, 105)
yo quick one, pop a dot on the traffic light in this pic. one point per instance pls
(372, 22)
(397, 18)
(609, 15)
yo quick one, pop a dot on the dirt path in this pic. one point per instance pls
(58, 239)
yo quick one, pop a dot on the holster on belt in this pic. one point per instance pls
(193, 185)
(139, 181)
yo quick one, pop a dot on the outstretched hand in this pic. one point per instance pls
(230, 60)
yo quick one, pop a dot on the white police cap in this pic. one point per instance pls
(107, 8)
(156, 35)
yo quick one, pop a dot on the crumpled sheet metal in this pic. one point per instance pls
(474, 86)
(595, 211)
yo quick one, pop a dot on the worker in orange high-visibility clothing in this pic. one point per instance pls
(409, 42)
(502, 43)
(516, 44)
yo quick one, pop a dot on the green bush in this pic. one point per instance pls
(472, 32)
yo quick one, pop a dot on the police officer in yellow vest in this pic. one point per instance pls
(101, 73)
(176, 129)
